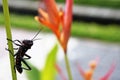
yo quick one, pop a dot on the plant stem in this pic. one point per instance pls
(68, 67)
(9, 36)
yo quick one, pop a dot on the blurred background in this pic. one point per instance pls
(95, 33)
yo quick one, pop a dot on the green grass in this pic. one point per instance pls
(100, 3)
(21, 21)
(79, 29)
(97, 31)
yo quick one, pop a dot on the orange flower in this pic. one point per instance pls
(54, 18)
(88, 75)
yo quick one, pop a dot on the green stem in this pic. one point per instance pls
(9, 36)
(68, 67)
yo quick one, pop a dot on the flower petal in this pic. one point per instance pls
(68, 14)
(108, 74)
(81, 70)
(94, 63)
(43, 14)
(52, 11)
(60, 72)
(46, 23)
(67, 21)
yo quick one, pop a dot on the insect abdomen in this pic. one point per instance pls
(19, 69)
(18, 65)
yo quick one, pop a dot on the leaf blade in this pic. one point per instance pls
(49, 69)
(34, 74)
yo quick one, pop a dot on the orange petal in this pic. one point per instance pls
(94, 63)
(49, 25)
(44, 22)
(43, 14)
(89, 75)
(61, 14)
(68, 14)
(86, 75)
(66, 24)
(52, 11)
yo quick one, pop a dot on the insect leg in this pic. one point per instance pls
(15, 41)
(28, 57)
(28, 67)
(9, 40)
(15, 48)
(11, 52)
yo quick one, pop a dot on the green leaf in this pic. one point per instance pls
(34, 74)
(48, 72)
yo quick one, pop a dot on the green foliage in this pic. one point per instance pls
(92, 30)
(79, 29)
(23, 21)
(48, 72)
(1, 19)
(17, 20)
(33, 74)
(99, 3)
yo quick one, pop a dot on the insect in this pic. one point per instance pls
(19, 56)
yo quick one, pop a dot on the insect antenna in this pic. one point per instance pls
(33, 39)
(36, 39)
